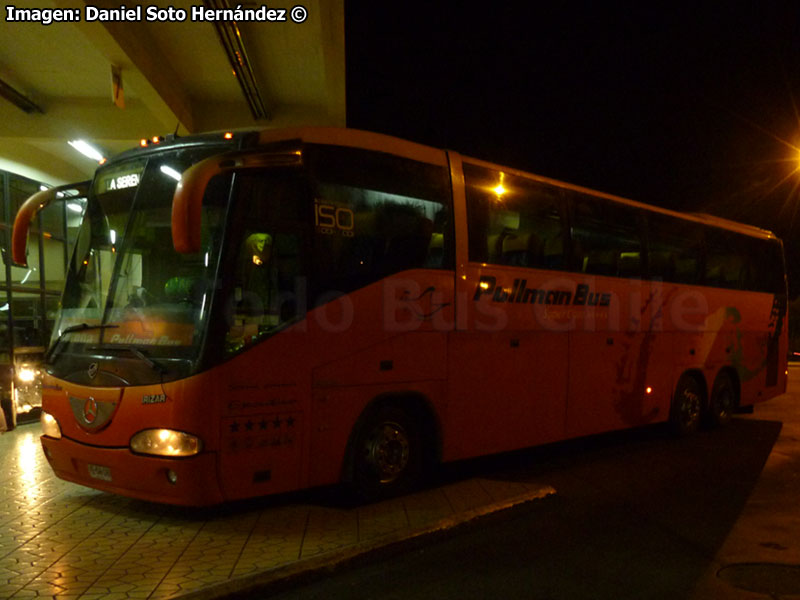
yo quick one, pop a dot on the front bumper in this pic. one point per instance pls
(137, 476)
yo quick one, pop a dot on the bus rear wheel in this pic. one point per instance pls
(722, 402)
(687, 406)
(388, 455)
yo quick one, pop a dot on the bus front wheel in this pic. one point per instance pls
(388, 454)
(687, 406)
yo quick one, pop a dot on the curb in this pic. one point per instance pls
(307, 570)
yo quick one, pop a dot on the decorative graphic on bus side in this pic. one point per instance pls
(630, 389)
(768, 354)
(434, 307)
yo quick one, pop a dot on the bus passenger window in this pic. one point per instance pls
(267, 286)
(513, 220)
(675, 249)
(606, 238)
(378, 234)
(375, 215)
(254, 272)
(728, 263)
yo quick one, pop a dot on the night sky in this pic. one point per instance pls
(693, 107)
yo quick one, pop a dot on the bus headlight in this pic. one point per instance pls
(50, 426)
(166, 442)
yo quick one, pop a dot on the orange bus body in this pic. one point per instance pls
(495, 367)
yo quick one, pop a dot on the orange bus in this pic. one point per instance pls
(266, 311)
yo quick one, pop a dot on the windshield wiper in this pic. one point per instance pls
(136, 352)
(72, 328)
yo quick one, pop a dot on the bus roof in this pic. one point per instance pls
(393, 145)
(357, 138)
(706, 219)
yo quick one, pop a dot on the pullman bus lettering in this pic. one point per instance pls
(520, 293)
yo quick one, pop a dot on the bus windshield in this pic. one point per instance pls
(127, 290)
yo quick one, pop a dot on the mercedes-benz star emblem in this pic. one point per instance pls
(93, 369)
(90, 410)
(92, 414)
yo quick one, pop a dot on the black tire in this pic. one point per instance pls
(387, 455)
(687, 406)
(723, 401)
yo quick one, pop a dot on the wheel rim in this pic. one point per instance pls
(690, 407)
(387, 451)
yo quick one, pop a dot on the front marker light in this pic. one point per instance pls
(166, 442)
(50, 426)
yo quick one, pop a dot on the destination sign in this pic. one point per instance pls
(122, 177)
(123, 181)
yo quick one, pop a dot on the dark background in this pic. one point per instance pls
(692, 106)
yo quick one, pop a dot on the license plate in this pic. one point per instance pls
(100, 472)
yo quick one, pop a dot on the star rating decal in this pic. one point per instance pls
(262, 424)
(267, 431)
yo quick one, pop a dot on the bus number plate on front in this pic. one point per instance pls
(100, 472)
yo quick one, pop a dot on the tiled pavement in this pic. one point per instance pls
(60, 540)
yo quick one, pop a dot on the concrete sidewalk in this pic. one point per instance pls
(760, 558)
(60, 540)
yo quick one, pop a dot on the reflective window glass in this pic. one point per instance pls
(29, 321)
(606, 237)
(675, 249)
(28, 276)
(728, 264)
(267, 255)
(374, 215)
(513, 220)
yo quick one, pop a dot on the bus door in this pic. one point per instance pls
(507, 370)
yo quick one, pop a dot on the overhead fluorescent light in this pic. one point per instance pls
(166, 170)
(86, 149)
(75, 207)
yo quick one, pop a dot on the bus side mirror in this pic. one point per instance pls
(187, 202)
(28, 210)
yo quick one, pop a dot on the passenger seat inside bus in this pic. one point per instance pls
(601, 262)
(435, 258)
(553, 252)
(522, 250)
(629, 264)
(662, 265)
